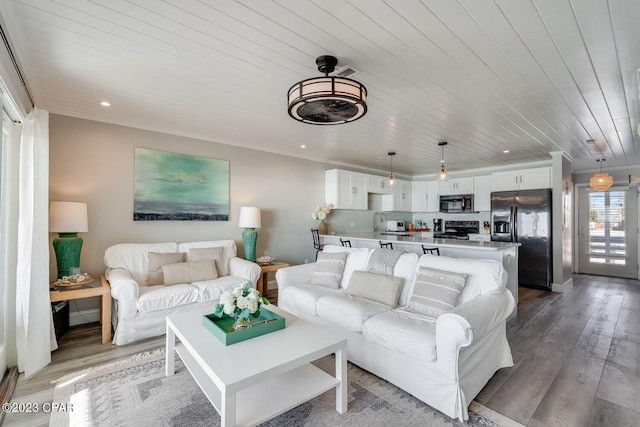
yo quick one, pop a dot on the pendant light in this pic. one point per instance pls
(442, 176)
(327, 100)
(601, 181)
(392, 178)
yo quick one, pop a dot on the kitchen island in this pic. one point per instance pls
(504, 252)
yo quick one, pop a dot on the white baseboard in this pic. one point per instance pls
(84, 316)
(562, 287)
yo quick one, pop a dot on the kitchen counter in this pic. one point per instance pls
(417, 238)
(504, 252)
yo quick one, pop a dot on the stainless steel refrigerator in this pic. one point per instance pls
(525, 217)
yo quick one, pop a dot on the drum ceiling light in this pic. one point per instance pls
(327, 100)
(601, 181)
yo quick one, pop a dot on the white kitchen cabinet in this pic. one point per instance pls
(346, 189)
(379, 184)
(419, 196)
(433, 196)
(525, 179)
(482, 193)
(400, 199)
(456, 186)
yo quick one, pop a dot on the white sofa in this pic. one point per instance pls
(443, 362)
(139, 310)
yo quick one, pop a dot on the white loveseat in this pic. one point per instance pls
(139, 310)
(443, 362)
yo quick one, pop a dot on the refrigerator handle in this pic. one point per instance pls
(514, 222)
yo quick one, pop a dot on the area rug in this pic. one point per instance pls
(135, 392)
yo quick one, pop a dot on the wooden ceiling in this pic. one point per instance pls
(528, 76)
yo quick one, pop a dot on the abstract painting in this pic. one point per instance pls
(180, 187)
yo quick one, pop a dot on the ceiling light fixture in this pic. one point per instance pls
(392, 179)
(327, 100)
(442, 176)
(601, 181)
(105, 103)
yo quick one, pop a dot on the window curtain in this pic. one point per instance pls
(35, 335)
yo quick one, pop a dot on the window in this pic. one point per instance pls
(607, 240)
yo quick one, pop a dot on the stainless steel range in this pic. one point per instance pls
(458, 230)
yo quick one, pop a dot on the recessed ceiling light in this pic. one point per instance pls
(505, 151)
(303, 146)
(105, 103)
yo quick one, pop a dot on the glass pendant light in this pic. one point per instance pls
(392, 178)
(442, 175)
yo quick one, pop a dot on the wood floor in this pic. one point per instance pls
(576, 355)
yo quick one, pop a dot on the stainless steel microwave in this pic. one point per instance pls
(462, 203)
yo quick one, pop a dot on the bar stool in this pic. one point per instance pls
(346, 243)
(432, 251)
(316, 241)
(387, 245)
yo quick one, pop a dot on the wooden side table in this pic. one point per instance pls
(263, 280)
(99, 287)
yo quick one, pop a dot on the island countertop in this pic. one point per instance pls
(418, 239)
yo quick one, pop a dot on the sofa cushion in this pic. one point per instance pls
(405, 268)
(154, 298)
(484, 275)
(357, 259)
(436, 291)
(210, 290)
(375, 287)
(133, 257)
(407, 333)
(216, 254)
(329, 268)
(229, 251)
(156, 261)
(304, 298)
(188, 272)
(347, 311)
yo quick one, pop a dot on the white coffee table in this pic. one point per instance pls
(254, 380)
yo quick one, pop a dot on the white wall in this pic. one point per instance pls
(93, 162)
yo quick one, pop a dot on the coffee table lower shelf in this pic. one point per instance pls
(269, 398)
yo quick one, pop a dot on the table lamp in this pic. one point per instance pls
(67, 219)
(249, 220)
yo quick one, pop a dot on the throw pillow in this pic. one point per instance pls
(329, 268)
(214, 253)
(376, 287)
(436, 291)
(188, 272)
(157, 260)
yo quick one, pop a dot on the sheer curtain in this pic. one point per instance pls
(35, 337)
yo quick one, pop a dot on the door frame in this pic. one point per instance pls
(576, 229)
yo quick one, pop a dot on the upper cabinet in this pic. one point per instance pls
(379, 184)
(456, 186)
(482, 193)
(525, 179)
(400, 199)
(345, 189)
(425, 196)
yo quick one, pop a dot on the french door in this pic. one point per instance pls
(608, 232)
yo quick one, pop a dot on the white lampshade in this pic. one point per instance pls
(68, 217)
(249, 217)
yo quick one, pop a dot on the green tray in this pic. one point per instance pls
(222, 328)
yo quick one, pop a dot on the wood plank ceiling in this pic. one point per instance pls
(528, 76)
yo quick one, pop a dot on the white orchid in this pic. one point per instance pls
(322, 211)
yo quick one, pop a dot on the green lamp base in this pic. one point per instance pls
(249, 239)
(67, 247)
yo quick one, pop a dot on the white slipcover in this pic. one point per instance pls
(443, 362)
(139, 310)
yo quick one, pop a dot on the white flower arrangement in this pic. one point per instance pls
(322, 211)
(240, 302)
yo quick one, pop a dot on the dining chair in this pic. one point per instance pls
(432, 251)
(386, 245)
(346, 243)
(316, 241)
